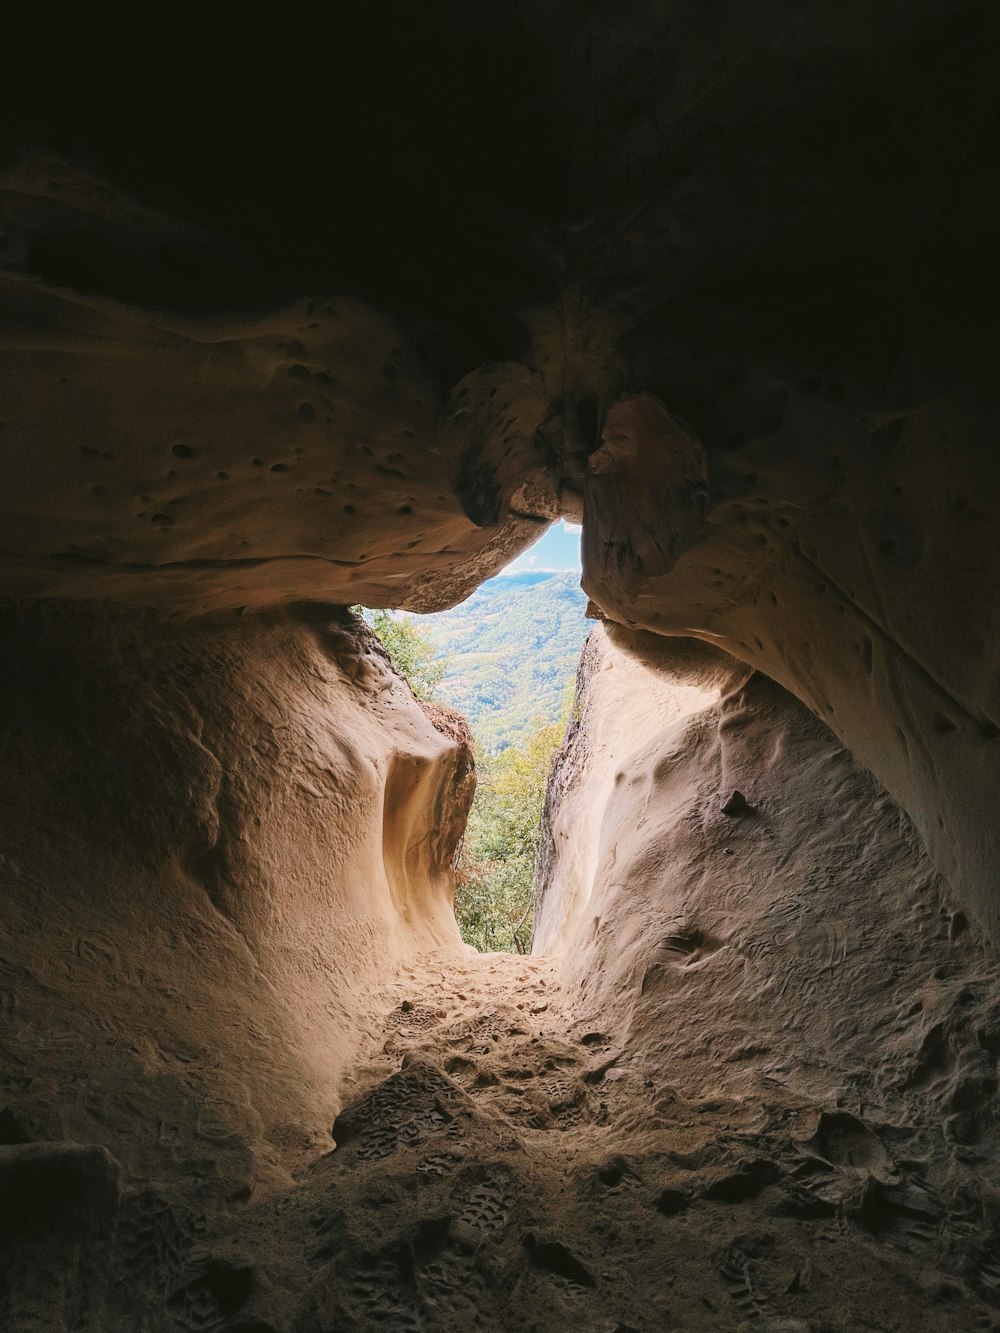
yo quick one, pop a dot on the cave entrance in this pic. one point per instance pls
(506, 659)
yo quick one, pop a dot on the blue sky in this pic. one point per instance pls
(558, 550)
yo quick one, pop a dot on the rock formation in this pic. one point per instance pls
(807, 1003)
(219, 838)
(331, 307)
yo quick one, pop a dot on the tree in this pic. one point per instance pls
(496, 870)
(413, 655)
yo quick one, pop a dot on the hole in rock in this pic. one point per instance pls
(679, 1062)
(660, 1044)
(506, 660)
(722, 1050)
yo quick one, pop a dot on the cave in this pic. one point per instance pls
(336, 307)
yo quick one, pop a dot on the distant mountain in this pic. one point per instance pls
(512, 650)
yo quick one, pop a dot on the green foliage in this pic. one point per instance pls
(506, 658)
(495, 881)
(413, 653)
(511, 646)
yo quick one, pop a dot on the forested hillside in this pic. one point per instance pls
(506, 658)
(510, 653)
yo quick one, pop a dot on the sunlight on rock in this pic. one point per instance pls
(678, 320)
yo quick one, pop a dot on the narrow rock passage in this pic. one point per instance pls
(505, 1166)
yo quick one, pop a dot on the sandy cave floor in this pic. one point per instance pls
(506, 1166)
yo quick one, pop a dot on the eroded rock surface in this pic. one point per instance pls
(799, 962)
(217, 843)
(724, 283)
(329, 307)
(753, 1084)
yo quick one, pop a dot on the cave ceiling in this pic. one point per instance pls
(334, 305)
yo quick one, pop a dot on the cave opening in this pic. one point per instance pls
(348, 322)
(683, 1065)
(505, 659)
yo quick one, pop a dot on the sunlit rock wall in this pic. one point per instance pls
(847, 548)
(794, 947)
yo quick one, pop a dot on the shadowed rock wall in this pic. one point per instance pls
(201, 875)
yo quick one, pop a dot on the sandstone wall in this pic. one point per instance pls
(787, 945)
(845, 548)
(620, 698)
(724, 284)
(218, 841)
